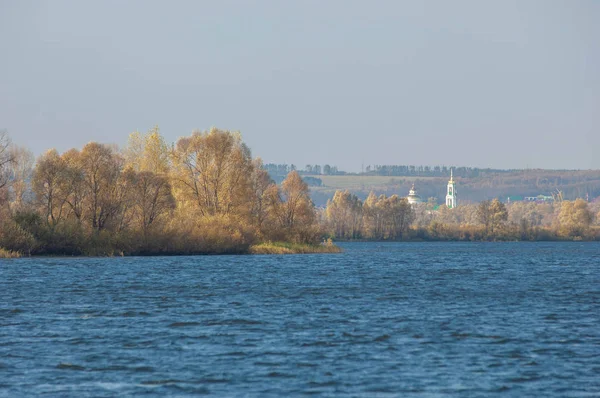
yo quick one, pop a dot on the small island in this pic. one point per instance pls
(205, 194)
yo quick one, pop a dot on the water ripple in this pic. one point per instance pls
(380, 319)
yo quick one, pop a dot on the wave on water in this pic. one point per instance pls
(389, 319)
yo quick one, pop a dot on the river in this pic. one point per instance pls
(379, 319)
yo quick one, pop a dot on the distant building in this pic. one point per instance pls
(514, 198)
(539, 199)
(451, 200)
(412, 197)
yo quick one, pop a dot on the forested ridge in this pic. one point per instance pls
(476, 184)
(204, 194)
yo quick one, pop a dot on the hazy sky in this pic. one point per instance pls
(478, 83)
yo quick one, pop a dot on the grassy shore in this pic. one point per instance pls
(9, 254)
(263, 248)
(293, 248)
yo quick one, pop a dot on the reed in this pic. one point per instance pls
(9, 253)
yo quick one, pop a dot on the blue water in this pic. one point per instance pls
(397, 319)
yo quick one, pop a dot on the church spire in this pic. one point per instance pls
(451, 200)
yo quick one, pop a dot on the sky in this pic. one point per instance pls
(502, 84)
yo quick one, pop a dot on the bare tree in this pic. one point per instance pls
(153, 198)
(6, 158)
(50, 186)
(101, 168)
(21, 170)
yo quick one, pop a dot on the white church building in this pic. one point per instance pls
(412, 197)
(451, 200)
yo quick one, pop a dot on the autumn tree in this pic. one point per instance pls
(373, 217)
(262, 189)
(101, 167)
(387, 217)
(50, 186)
(101, 201)
(400, 215)
(73, 184)
(148, 152)
(492, 214)
(146, 175)
(213, 171)
(527, 216)
(499, 214)
(21, 170)
(532, 213)
(345, 215)
(574, 218)
(152, 199)
(296, 207)
(295, 211)
(6, 158)
(424, 212)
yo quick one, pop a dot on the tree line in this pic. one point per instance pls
(389, 170)
(377, 218)
(283, 169)
(429, 171)
(347, 217)
(204, 194)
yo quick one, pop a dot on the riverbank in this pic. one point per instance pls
(262, 248)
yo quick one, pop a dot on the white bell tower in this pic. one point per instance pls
(451, 201)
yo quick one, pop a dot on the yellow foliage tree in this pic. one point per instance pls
(148, 152)
(152, 200)
(105, 194)
(213, 171)
(295, 211)
(48, 184)
(344, 214)
(574, 218)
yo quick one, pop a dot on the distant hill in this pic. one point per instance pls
(474, 184)
(572, 184)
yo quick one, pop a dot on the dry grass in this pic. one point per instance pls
(9, 254)
(293, 248)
